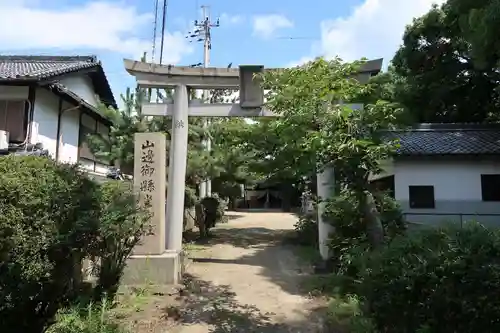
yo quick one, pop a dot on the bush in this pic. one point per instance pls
(121, 226)
(221, 209)
(48, 221)
(350, 240)
(436, 280)
(306, 229)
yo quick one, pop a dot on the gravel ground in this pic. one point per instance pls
(246, 279)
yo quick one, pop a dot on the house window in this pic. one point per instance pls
(490, 187)
(422, 196)
(13, 119)
(86, 158)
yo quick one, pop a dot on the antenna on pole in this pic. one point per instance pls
(203, 33)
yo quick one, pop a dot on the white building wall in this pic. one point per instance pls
(44, 125)
(82, 86)
(45, 118)
(457, 190)
(70, 128)
(451, 180)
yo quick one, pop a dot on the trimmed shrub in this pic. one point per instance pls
(48, 221)
(436, 280)
(122, 223)
(220, 214)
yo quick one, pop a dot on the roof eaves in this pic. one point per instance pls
(59, 88)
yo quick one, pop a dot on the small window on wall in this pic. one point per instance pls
(490, 187)
(422, 196)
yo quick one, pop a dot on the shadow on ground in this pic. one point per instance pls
(233, 216)
(272, 251)
(216, 306)
(246, 237)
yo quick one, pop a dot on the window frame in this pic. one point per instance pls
(415, 203)
(489, 189)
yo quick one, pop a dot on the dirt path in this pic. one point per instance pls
(247, 280)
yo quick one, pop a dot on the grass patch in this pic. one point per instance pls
(193, 247)
(90, 319)
(133, 299)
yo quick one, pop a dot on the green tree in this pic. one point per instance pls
(448, 63)
(316, 130)
(235, 159)
(118, 147)
(478, 22)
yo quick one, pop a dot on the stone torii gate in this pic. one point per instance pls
(160, 255)
(163, 249)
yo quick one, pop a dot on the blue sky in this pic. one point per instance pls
(251, 32)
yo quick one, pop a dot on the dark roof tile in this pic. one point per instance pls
(448, 139)
(21, 68)
(40, 67)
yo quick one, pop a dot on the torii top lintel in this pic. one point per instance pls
(151, 75)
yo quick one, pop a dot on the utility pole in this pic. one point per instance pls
(203, 32)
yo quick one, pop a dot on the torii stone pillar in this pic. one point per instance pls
(177, 169)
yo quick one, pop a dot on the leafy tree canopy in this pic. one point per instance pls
(448, 63)
(317, 128)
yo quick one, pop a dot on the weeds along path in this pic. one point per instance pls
(245, 279)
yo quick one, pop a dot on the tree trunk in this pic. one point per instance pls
(374, 227)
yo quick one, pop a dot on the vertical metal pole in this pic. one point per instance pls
(326, 188)
(177, 169)
(206, 62)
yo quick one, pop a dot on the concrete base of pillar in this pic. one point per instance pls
(166, 268)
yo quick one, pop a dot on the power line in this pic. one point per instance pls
(295, 38)
(153, 51)
(165, 4)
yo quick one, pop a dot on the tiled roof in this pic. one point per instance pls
(374, 65)
(19, 68)
(41, 67)
(448, 139)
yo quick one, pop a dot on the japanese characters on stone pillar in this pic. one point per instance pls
(150, 182)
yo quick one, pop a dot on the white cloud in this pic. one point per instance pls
(109, 26)
(226, 18)
(299, 62)
(374, 29)
(265, 26)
